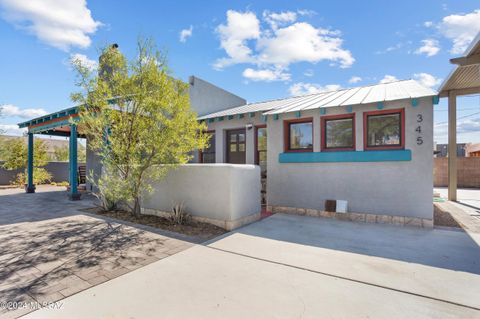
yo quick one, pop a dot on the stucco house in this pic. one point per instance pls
(369, 149)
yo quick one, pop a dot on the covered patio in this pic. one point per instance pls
(463, 80)
(61, 123)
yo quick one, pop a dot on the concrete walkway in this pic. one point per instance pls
(50, 250)
(298, 267)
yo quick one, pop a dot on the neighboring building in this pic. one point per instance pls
(472, 150)
(371, 146)
(441, 150)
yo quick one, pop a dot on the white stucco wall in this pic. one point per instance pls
(220, 192)
(207, 98)
(384, 188)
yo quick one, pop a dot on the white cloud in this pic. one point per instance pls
(427, 80)
(240, 27)
(278, 19)
(465, 128)
(84, 60)
(388, 78)
(309, 72)
(267, 75)
(430, 47)
(461, 29)
(311, 88)
(185, 34)
(355, 79)
(301, 42)
(282, 42)
(428, 24)
(59, 23)
(12, 129)
(9, 110)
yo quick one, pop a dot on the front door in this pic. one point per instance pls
(236, 146)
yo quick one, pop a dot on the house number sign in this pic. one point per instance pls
(419, 129)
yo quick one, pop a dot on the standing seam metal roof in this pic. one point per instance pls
(404, 89)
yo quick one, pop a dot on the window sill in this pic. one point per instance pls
(346, 156)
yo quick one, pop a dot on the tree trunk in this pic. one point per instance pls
(136, 207)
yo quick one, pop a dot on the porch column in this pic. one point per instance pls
(452, 146)
(74, 195)
(30, 188)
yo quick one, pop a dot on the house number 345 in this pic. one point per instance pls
(419, 129)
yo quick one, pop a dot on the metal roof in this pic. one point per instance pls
(466, 73)
(405, 89)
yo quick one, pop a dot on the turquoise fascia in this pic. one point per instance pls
(346, 156)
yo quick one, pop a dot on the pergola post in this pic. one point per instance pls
(452, 146)
(74, 195)
(30, 187)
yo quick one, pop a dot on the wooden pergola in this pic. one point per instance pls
(463, 80)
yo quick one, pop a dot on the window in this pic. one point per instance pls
(338, 132)
(261, 147)
(384, 129)
(298, 135)
(208, 154)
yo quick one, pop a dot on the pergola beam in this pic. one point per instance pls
(465, 61)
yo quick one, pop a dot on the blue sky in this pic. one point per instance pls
(258, 50)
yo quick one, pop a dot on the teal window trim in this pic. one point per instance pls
(346, 156)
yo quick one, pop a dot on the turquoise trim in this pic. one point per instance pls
(30, 162)
(435, 99)
(220, 118)
(73, 161)
(298, 114)
(380, 106)
(240, 116)
(211, 120)
(414, 102)
(69, 111)
(349, 109)
(275, 117)
(50, 126)
(346, 156)
(230, 117)
(323, 111)
(252, 114)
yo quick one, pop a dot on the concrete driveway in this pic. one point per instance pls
(298, 267)
(50, 250)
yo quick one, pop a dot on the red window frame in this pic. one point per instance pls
(256, 141)
(286, 134)
(384, 147)
(200, 152)
(323, 130)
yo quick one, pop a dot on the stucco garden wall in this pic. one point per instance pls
(59, 171)
(226, 195)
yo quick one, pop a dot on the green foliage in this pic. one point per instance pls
(138, 119)
(61, 154)
(40, 176)
(15, 154)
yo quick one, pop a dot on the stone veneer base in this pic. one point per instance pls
(225, 224)
(356, 217)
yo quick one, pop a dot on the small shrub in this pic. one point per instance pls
(60, 183)
(40, 176)
(179, 216)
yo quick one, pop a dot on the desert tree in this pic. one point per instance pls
(137, 118)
